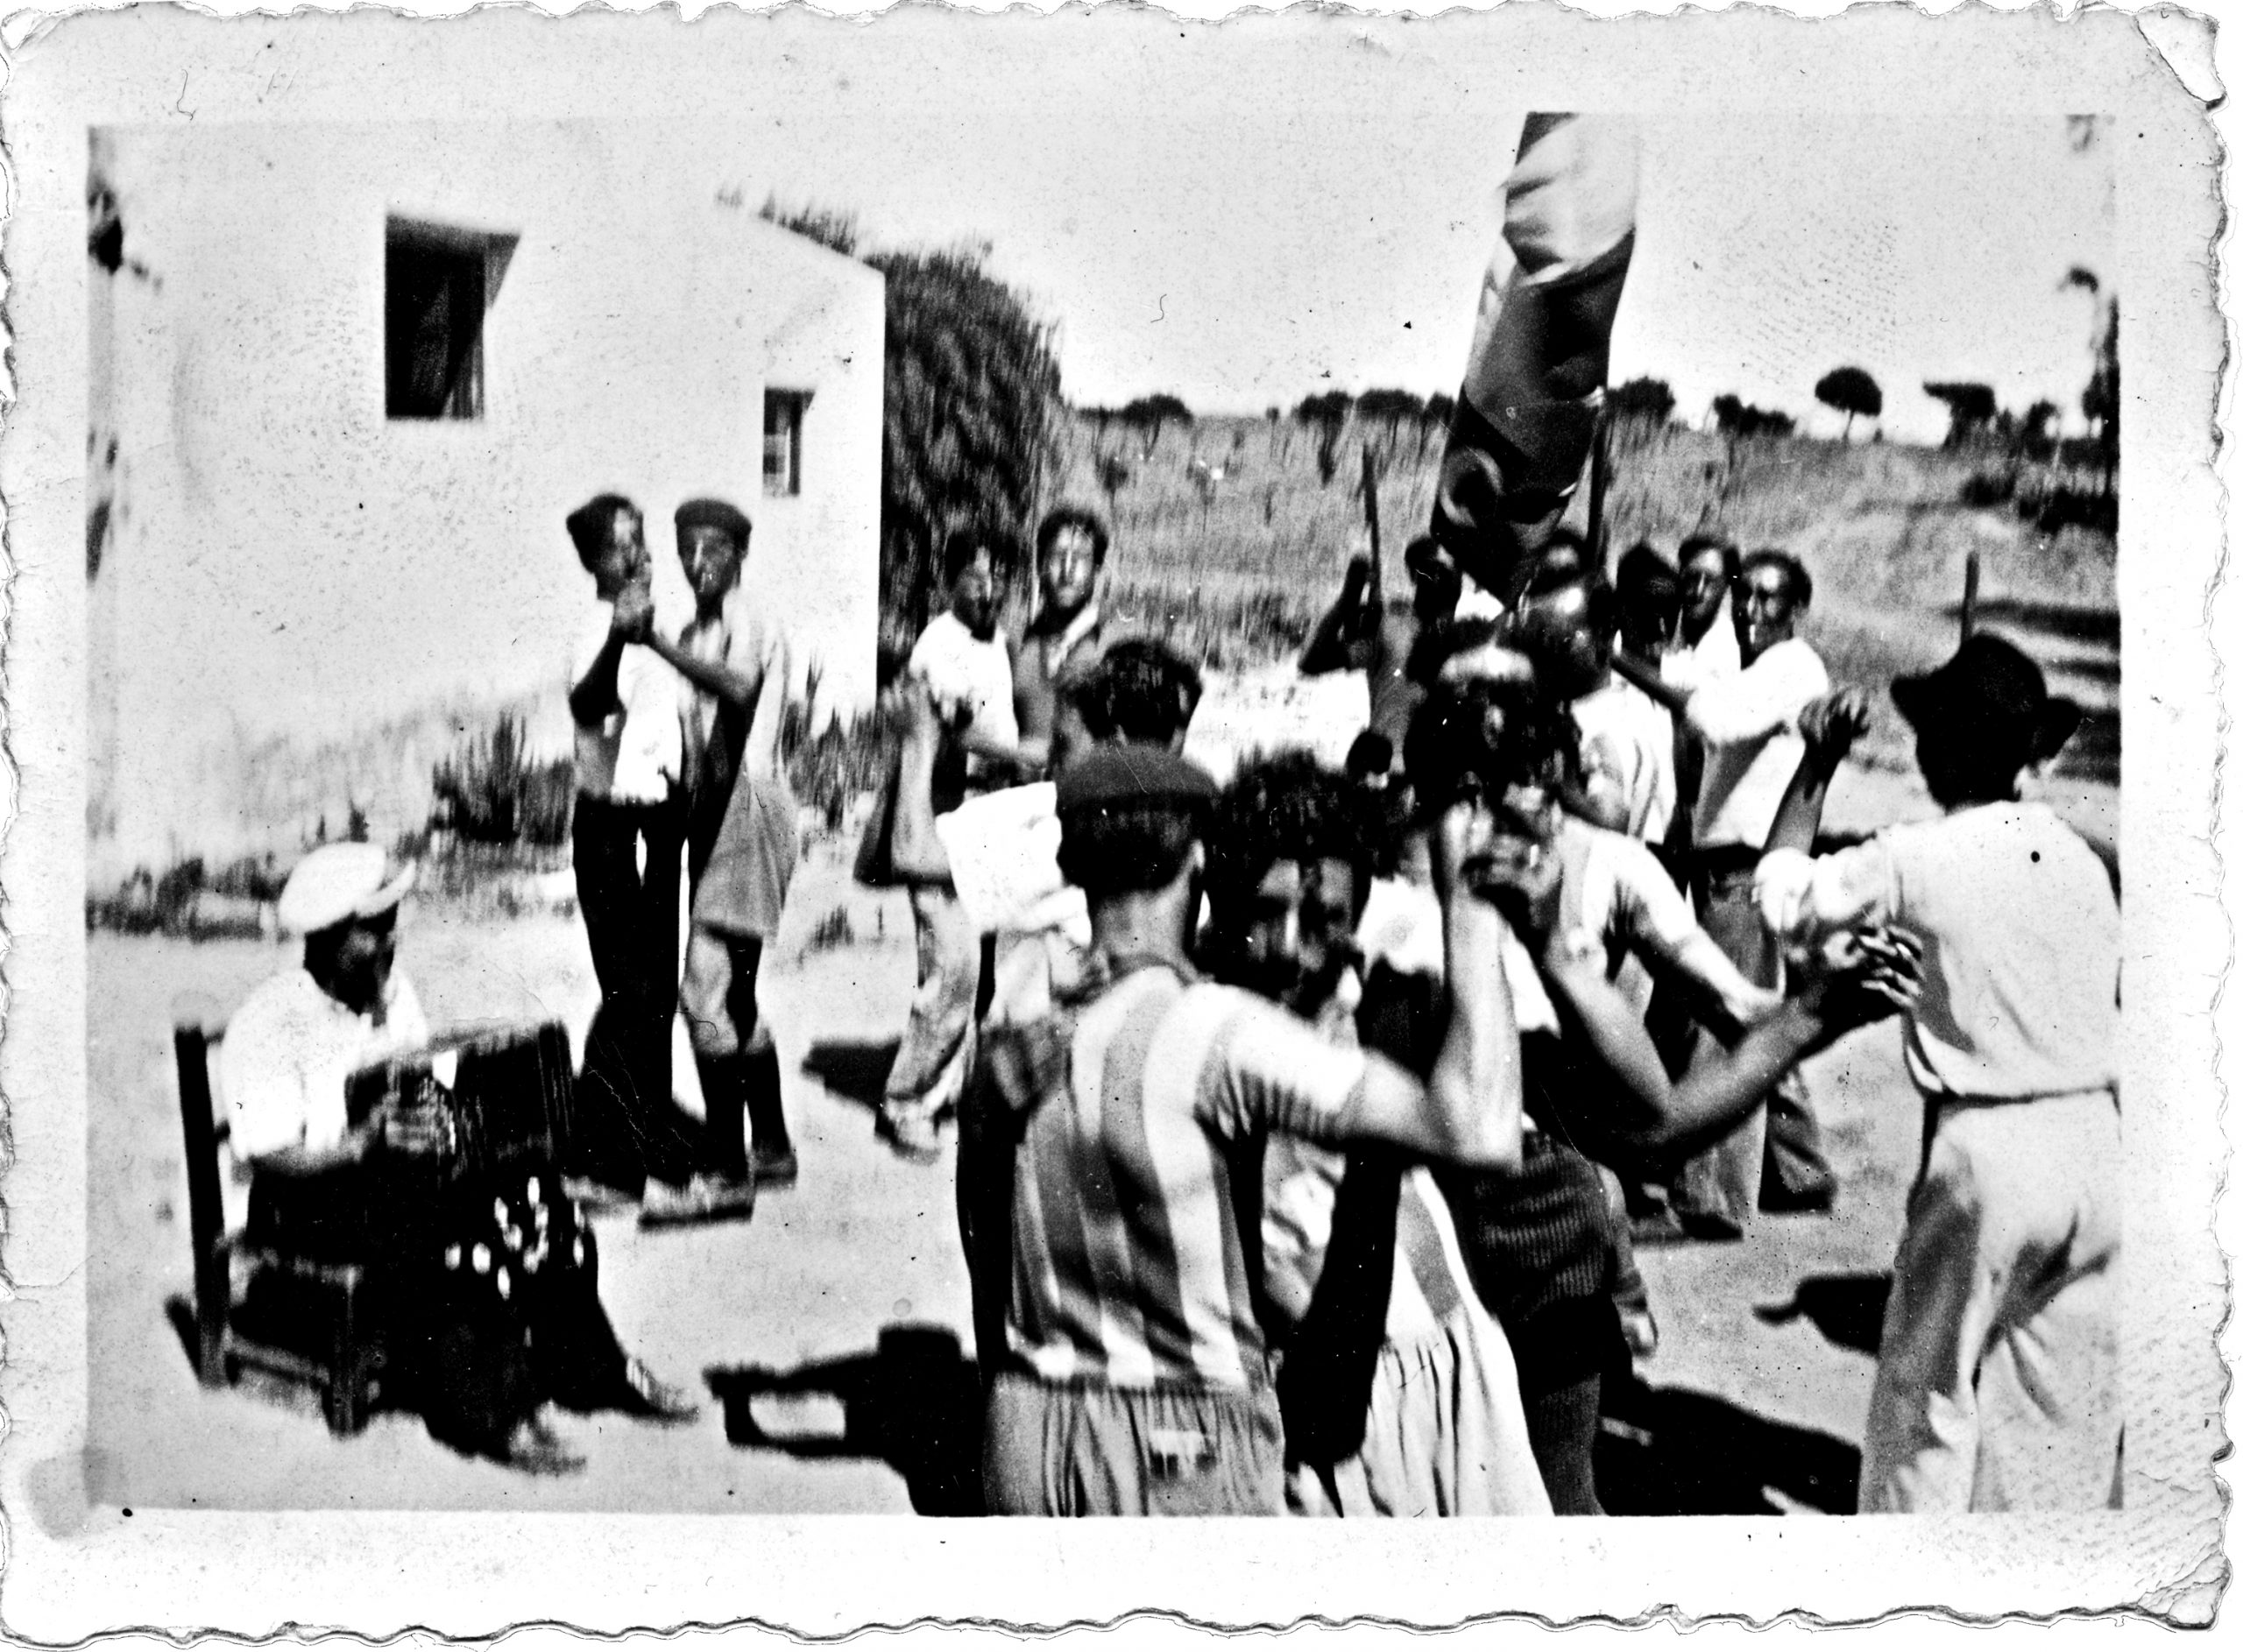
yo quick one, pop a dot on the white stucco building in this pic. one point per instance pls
(346, 381)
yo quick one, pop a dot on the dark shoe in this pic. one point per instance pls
(702, 1200)
(647, 1395)
(1817, 1200)
(535, 1449)
(776, 1169)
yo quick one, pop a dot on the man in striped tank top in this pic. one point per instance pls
(1136, 1379)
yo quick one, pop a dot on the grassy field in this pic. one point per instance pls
(1242, 566)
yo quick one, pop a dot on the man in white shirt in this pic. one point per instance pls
(1996, 1374)
(966, 666)
(629, 828)
(489, 1313)
(1748, 727)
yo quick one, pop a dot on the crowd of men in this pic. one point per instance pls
(1304, 1124)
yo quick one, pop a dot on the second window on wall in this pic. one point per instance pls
(782, 441)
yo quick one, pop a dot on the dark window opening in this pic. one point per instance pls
(782, 440)
(438, 285)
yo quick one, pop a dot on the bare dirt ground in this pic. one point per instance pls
(830, 1339)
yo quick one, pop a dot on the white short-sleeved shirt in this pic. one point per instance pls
(964, 674)
(288, 1055)
(1749, 725)
(1128, 1268)
(1715, 655)
(636, 752)
(1616, 893)
(2020, 934)
(1627, 753)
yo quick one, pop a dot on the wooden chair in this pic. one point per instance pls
(346, 1359)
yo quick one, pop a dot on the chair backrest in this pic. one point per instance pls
(217, 1185)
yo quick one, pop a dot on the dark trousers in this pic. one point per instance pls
(627, 1127)
(478, 1335)
(1538, 1245)
(1775, 1150)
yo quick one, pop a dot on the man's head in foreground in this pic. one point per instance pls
(342, 899)
(1141, 690)
(1133, 827)
(1489, 742)
(1289, 869)
(1980, 720)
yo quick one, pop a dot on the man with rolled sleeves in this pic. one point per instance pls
(740, 840)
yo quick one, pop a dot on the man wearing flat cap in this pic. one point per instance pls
(483, 1346)
(1996, 1374)
(740, 850)
(1135, 1377)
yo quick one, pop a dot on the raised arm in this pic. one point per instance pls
(1649, 1111)
(593, 698)
(1469, 1110)
(1337, 644)
(1646, 676)
(711, 676)
(1830, 726)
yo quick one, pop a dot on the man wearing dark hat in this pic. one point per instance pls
(1134, 1378)
(1997, 1376)
(740, 849)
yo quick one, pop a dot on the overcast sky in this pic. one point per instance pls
(1248, 249)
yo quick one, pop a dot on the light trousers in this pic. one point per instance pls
(1996, 1378)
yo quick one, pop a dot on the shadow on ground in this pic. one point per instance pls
(854, 1072)
(1672, 1452)
(1848, 1309)
(913, 1403)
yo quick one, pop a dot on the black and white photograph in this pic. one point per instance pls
(948, 768)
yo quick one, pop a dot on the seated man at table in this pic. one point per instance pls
(489, 1284)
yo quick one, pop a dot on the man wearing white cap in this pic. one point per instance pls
(290, 1050)
(483, 1357)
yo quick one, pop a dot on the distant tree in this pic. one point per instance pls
(972, 418)
(1273, 414)
(356, 828)
(1971, 409)
(1648, 399)
(1152, 413)
(1736, 417)
(1852, 392)
(1325, 413)
(831, 228)
(1388, 408)
(1326, 407)
(2099, 401)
